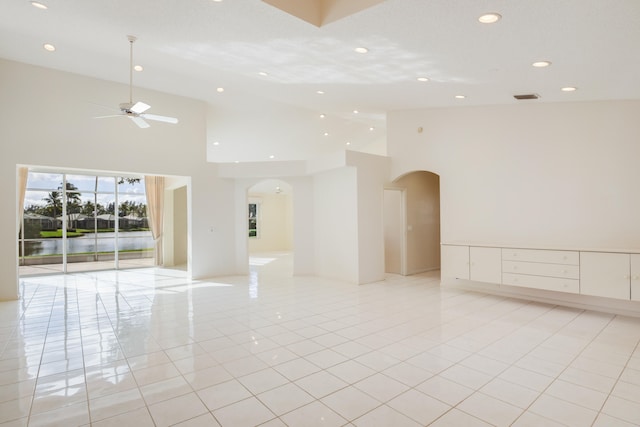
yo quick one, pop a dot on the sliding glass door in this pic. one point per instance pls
(80, 222)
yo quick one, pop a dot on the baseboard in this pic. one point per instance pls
(582, 302)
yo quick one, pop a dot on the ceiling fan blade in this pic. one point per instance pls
(140, 107)
(139, 121)
(112, 115)
(159, 118)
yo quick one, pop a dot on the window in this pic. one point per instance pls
(253, 220)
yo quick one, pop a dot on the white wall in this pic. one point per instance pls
(349, 230)
(372, 175)
(562, 174)
(336, 224)
(46, 118)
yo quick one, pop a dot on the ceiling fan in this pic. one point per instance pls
(136, 110)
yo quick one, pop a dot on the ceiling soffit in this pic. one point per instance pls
(322, 12)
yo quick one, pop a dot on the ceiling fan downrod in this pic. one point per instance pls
(132, 40)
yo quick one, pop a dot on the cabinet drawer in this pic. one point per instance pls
(542, 269)
(540, 282)
(535, 255)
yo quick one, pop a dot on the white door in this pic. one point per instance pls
(394, 231)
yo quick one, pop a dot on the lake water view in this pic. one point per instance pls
(131, 240)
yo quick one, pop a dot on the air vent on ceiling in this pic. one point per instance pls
(527, 96)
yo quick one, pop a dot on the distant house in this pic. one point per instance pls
(133, 221)
(46, 223)
(75, 220)
(106, 221)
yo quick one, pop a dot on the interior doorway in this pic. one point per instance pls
(412, 224)
(175, 229)
(270, 226)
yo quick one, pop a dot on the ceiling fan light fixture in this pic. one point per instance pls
(136, 110)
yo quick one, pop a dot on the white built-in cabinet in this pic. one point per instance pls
(471, 263)
(635, 277)
(602, 274)
(485, 264)
(612, 275)
(454, 261)
(541, 269)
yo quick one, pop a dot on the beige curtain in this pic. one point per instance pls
(154, 187)
(23, 173)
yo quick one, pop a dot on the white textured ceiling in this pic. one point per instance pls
(192, 47)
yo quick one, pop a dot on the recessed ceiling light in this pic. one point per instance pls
(361, 50)
(371, 128)
(272, 156)
(355, 111)
(220, 90)
(263, 74)
(39, 5)
(326, 134)
(138, 67)
(541, 64)
(217, 1)
(237, 161)
(569, 89)
(490, 18)
(348, 143)
(423, 79)
(49, 47)
(460, 96)
(216, 143)
(322, 116)
(320, 92)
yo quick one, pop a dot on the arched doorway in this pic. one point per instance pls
(270, 227)
(412, 224)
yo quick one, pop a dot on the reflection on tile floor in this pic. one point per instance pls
(149, 347)
(76, 267)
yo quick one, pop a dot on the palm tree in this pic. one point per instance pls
(54, 202)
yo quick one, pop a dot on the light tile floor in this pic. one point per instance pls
(149, 347)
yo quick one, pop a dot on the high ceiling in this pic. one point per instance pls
(194, 47)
